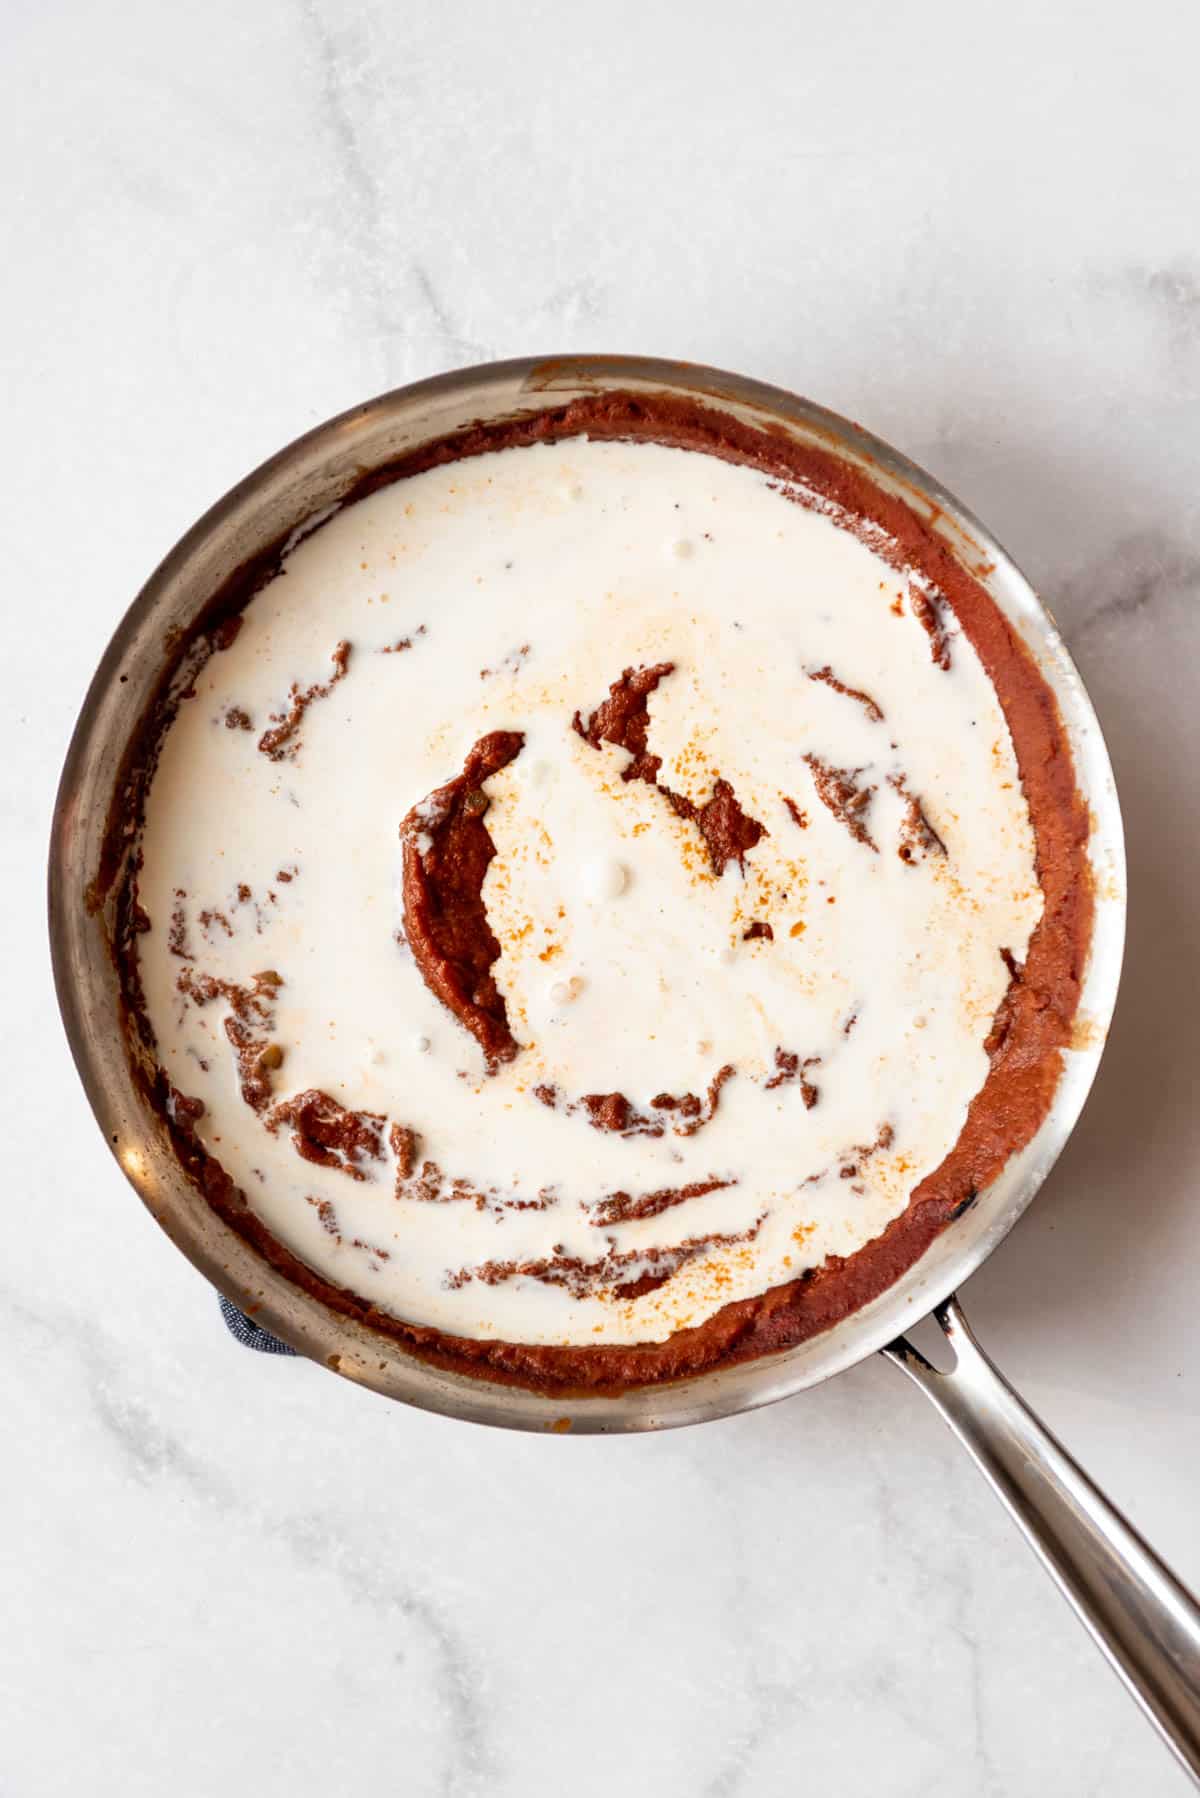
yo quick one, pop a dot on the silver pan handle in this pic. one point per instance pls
(1146, 1622)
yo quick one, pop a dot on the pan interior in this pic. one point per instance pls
(302, 482)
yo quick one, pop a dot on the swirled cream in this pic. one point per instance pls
(581, 893)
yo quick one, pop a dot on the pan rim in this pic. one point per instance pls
(231, 1264)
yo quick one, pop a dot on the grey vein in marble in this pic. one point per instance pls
(360, 216)
(1175, 293)
(152, 1452)
(316, 1541)
(1168, 297)
(774, 1704)
(1136, 574)
(364, 227)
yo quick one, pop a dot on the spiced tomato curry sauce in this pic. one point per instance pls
(606, 898)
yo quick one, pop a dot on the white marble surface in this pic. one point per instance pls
(974, 228)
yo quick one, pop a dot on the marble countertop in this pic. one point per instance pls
(976, 231)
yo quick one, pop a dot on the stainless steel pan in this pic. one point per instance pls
(1147, 1624)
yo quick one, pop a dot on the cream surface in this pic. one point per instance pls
(524, 583)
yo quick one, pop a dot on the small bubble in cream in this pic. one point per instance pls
(421, 1044)
(606, 879)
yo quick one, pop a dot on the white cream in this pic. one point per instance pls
(624, 961)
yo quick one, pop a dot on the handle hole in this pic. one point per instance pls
(929, 1338)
